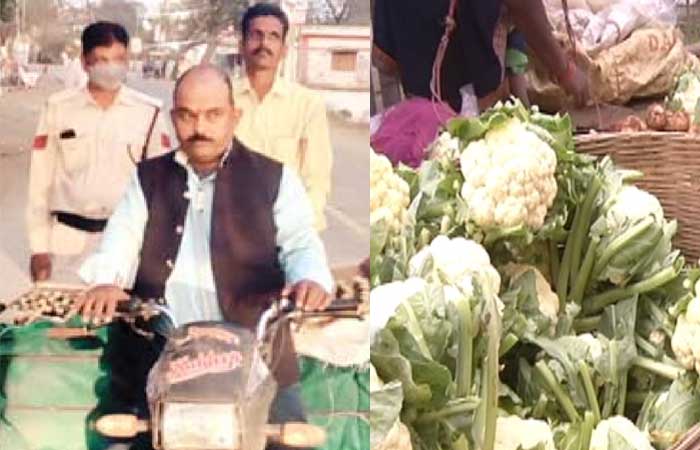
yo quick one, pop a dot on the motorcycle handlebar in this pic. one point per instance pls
(285, 309)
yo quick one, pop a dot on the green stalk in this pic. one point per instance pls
(619, 243)
(599, 302)
(586, 324)
(646, 346)
(451, 409)
(434, 210)
(585, 272)
(563, 278)
(590, 390)
(637, 397)
(657, 368)
(501, 233)
(409, 414)
(670, 362)
(508, 342)
(660, 316)
(620, 410)
(540, 408)
(587, 427)
(553, 258)
(465, 350)
(421, 341)
(490, 382)
(553, 385)
(581, 231)
(608, 393)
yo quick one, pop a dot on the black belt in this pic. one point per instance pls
(81, 223)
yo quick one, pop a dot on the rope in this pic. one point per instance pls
(569, 28)
(572, 42)
(450, 25)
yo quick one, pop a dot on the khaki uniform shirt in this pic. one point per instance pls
(290, 126)
(82, 158)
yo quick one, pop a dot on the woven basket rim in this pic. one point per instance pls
(648, 134)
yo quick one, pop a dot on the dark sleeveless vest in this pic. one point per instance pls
(244, 253)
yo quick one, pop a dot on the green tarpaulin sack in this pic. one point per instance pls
(49, 388)
(337, 399)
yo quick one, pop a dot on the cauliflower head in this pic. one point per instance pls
(445, 146)
(389, 194)
(623, 428)
(385, 299)
(513, 433)
(631, 205)
(686, 337)
(509, 177)
(458, 262)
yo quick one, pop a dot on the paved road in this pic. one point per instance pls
(347, 237)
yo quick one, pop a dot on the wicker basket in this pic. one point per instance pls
(671, 166)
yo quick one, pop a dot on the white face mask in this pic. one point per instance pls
(108, 76)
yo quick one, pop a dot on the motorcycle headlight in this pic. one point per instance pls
(186, 426)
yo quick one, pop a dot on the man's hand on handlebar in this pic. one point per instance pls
(99, 304)
(308, 295)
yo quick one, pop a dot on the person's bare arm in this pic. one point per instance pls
(383, 62)
(530, 18)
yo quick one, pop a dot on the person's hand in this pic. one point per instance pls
(40, 266)
(575, 82)
(308, 295)
(99, 304)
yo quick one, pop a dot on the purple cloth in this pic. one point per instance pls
(408, 128)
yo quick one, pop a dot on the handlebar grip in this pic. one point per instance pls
(336, 306)
(296, 435)
(342, 306)
(120, 425)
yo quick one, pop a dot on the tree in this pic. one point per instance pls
(329, 11)
(206, 19)
(339, 9)
(121, 12)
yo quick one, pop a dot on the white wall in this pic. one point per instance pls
(317, 45)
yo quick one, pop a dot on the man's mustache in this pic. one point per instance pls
(262, 49)
(198, 138)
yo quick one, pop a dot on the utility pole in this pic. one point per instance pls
(18, 19)
(165, 21)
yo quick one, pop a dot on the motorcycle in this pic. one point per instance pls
(212, 386)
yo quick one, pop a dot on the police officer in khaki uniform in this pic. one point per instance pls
(87, 144)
